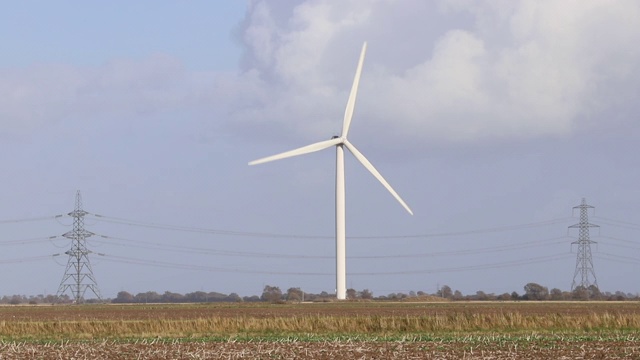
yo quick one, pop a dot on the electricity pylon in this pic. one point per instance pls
(584, 261)
(78, 276)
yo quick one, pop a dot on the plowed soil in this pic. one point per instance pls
(323, 350)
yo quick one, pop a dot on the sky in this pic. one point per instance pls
(491, 119)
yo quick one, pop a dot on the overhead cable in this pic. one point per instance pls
(214, 252)
(128, 222)
(164, 264)
(30, 219)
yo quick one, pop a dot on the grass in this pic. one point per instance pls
(295, 321)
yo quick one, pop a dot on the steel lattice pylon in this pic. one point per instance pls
(584, 261)
(78, 276)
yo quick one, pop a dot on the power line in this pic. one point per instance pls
(123, 221)
(110, 240)
(618, 223)
(214, 252)
(618, 258)
(203, 251)
(26, 241)
(492, 249)
(618, 239)
(512, 263)
(12, 221)
(625, 246)
(27, 259)
(164, 264)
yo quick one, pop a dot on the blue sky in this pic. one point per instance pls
(491, 119)
(91, 34)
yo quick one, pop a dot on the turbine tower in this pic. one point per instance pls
(584, 261)
(341, 142)
(78, 276)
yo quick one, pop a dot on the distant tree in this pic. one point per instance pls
(233, 297)
(594, 292)
(556, 294)
(366, 294)
(535, 291)
(253, 298)
(294, 294)
(481, 295)
(352, 294)
(171, 297)
(619, 296)
(504, 297)
(457, 295)
(445, 292)
(515, 296)
(63, 299)
(325, 296)
(197, 296)
(123, 297)
(580, 293)
(214, 296)
(271, 294)
(152, 296)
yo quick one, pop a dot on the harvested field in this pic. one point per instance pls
(374, 330)
(263, 310)
(157, 349)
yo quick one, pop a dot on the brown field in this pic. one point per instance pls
(362, 330)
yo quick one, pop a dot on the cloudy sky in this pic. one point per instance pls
(492, 119)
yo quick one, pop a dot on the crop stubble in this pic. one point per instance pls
(350, 330)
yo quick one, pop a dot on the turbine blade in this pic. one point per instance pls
(351, 103)
(299, 151)
(363, 160)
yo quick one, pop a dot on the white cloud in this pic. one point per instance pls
(521, 69)
(452, 70)
(120, 90)
(36, 95)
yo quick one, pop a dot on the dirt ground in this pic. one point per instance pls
(323, 350)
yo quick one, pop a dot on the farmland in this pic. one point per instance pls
(473, 330)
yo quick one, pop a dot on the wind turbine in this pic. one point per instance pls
(340, 142)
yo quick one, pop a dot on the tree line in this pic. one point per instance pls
(270, 293)
(273, 294)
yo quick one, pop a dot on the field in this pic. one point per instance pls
(361, 330)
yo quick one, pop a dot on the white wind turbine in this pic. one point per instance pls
(340, 142)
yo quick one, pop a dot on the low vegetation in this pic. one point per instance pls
(352, 329)
(327, 320)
